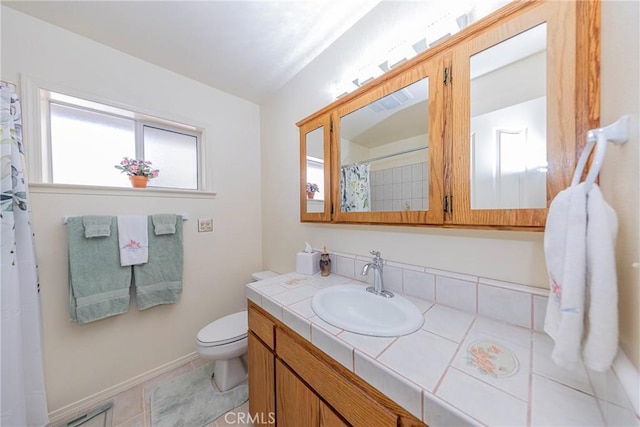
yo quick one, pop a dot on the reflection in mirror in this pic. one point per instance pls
(508, 123)
(384, 153)
(315, 170)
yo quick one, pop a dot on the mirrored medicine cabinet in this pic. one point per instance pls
(482, 130)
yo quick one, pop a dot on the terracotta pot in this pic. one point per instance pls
(138, 181)
(310, 194)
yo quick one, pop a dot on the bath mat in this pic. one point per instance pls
(191, 401)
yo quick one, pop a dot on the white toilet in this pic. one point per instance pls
(225, 341)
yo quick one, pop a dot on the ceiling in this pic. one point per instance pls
(247, 48)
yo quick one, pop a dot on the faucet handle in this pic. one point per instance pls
(377, 260)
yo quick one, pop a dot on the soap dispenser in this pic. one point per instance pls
(325, 263)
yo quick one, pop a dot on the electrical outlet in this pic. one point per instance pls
(205, 225)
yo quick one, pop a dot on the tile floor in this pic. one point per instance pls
(131, 408)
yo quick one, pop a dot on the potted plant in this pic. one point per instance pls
(139, 171)
(312, 189)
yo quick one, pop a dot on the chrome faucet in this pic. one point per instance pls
(378, 286)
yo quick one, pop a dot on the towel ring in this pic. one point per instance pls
(618, 133)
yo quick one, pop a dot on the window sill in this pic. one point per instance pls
(44, 188)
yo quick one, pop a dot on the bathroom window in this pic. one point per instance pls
(87, 139)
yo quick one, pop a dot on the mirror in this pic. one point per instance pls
(315, 170)
(384, 153)
(509, 123)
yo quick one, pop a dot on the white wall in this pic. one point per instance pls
(81, 360)
(511, 256)
(620, 176)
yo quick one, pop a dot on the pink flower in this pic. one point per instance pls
(137, 167)
(495, 349)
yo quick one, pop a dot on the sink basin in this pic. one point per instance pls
(352, 308)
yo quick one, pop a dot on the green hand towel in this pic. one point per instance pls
(164, 223)
(98, 285)
(96, 226)
(159, 281)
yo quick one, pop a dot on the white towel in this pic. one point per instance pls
(133, 239)
(601, 342)
(565, 255)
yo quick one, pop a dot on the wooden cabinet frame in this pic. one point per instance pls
(573, 95)
(433, 70)
(324, 123)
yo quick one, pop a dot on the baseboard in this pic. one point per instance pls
(73, 409)
(629, 377)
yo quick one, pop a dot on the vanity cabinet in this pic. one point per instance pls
(261, 382)
(308, 387)
(298, 405)
(479, 131)
(261, 361)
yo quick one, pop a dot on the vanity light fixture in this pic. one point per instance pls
(344, 88)
(368, 73)
(447, 23)
(399, 54)
(441, 29)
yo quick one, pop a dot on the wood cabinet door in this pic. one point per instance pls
(388, 164)
(517, 122)
(261, 382)
(297, 405)
(328, 418)
(315, 175)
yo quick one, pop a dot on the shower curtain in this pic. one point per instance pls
(355, 189)
(22, 394)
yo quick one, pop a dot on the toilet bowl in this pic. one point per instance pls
(225, 341)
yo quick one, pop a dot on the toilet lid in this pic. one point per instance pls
(225, 330)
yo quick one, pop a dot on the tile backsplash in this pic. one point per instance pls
(513, 303)
(400, 188)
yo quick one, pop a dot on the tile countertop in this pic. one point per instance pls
(457, 369)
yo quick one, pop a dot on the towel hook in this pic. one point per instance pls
(618, 133)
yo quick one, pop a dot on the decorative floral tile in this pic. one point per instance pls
(497, 362)
(297, 281)
(492, 359)
(294, 295)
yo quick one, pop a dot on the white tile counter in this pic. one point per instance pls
(460, 368)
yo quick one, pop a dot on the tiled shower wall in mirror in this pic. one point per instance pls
(400, 188)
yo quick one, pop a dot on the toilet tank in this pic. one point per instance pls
(262, 275)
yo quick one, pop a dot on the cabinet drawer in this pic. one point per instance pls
(358, 408)
(261, 326)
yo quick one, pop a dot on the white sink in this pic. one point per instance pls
(352, 308)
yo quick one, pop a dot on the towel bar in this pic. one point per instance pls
(64, 218)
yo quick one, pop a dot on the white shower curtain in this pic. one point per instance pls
(22, 394)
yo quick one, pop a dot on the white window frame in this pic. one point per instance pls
(37, 136)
